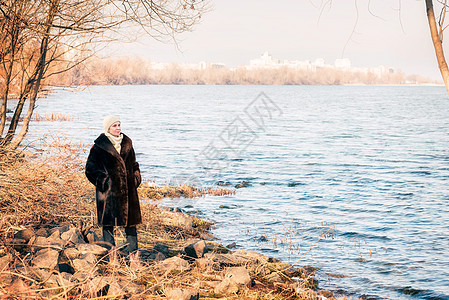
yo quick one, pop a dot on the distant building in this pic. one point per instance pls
(207, 65)
(319, 62)
(264, 61)
(342, 63)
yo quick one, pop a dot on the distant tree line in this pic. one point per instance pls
(135, 71)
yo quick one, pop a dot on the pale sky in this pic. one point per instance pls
(235, 32)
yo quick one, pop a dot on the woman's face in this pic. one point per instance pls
(115, 129)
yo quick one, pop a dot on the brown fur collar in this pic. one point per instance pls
(104, 143)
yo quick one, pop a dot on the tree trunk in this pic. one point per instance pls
(438, 44)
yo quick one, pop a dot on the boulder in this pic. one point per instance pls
(39, 242)
(46, 259)
(19, 287)
(180, 294)
(274, 278)
(71, 253)
(227, 260)
(196, 249)
(42, 232)
(177, 219)
(235, 279)
(92, 237)
(174, 263)
(55, 239)
(5, 261)
(91, 248)
(85, 264)
(73, 235)
(61, 229)
(226, 287)
(65, 268)
(48, 279)
(239, 275)
(97, 286)
(24, 234)
(164, 249)
(206, 263)
(65, 279)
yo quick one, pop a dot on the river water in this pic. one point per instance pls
(352, 180)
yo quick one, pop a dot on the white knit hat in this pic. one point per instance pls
(108, 121)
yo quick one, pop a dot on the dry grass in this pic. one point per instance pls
(148, 190)
(49, 188)
(52, 117)
(37, 188)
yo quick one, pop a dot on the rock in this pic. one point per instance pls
(65, 268)
(163, 249)
(42, 274)
(274, 277)
(92, 237)
(92, 248)
(226, 287)
(251, 256)
(326, 294)
(177, 219)
(239, 275)
(18, 287)
(242, 184)
(73, 235)
(97, 286)
(206, 263)
(42, 232)
(46, 259)
(235, 279)
(179, 294)
(55, 239)
(196, 249)
(40, 241)
(24, 234)
(232, 245)
(174, 263)
(65, 279)
(5, 261)
(227, 260)
(19, 244)
(85, 264)
(61, 229)
(71, 253)
(115, 289)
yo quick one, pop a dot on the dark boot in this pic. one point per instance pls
(108, 235)
(131, 239)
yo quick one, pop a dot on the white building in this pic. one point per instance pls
(342, 63)
(264, 61)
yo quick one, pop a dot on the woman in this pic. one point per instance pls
(112, 168)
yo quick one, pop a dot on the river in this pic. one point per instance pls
(352, 180)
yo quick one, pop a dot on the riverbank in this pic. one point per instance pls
(51, 246)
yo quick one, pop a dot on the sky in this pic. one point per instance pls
(370, 33)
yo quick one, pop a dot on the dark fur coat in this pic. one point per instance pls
(116, 178)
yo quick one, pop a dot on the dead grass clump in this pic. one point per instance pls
(151, 191)
(37, 188)
(52, 117)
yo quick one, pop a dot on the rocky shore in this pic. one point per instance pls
(178, 259)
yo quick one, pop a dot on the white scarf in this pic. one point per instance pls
(116, 141)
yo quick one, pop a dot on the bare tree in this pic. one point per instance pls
(45, 37)
(436, 31)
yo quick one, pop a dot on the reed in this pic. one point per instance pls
(152, 191)
(52, 117)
